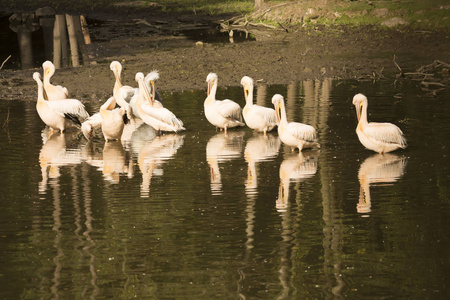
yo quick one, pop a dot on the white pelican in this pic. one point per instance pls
(223, 114)
(59, 114)
(113, 120)
(378, 169)
(160, 118)
(122, 93)
(54, 92)
(379, 137)
(90, 125)
(293, 134)
(256, 117)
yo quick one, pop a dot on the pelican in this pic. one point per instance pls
(54, 92)
(160, 118)
(256, 117)
(379, 137)
(122, 93)
(223, 114)
(59, 114)
(126, 95)
(90, 125)
(293, 134)
(113, 120)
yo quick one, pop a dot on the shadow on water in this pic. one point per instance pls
(29, 39)
(32, 38)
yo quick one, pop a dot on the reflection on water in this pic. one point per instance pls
(157, 217)
(222, 148)
(296, 168)
(259, 148)
(54, 155)
(152, 154)
(378, 169)
(64, 38)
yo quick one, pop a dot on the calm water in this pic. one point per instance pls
(202, 215)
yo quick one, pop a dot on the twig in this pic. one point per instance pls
(398, 67)
(442, 63)
(5, 61)
(6, 123)
(281, 25)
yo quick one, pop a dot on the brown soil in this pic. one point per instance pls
(276, 57)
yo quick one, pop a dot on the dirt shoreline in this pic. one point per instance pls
(276, 57)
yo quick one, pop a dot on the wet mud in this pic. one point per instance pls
(144, 43)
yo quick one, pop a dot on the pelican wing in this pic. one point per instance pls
(127, 92)
(162, 114)
(229, 109)
(386, 133)
(302, 131)
(69, 107)
(63, 90)
(265, 113)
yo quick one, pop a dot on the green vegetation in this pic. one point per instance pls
(416, 13)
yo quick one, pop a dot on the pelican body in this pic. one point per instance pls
(113, 120)
(256, 117)
(223, 114)
(59, 114)
(378, 137)
(54, 92)
(160, 118)
(293, 134)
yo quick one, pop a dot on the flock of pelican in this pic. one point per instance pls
(143, 105)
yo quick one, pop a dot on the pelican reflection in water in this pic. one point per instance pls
(54, 155)
(378, 169)
(153, 153)
(296, 167)
(220, 148)
(259, 148)
(111, 160)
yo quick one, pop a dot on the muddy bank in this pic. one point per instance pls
(275, 57)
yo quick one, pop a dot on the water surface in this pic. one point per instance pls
(202, 214)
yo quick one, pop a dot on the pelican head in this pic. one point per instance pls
(37, 76)
(150, 81)
(49, 68)
(277, 101)
(116, 67)
(87, 129)
(359, 101)
(152, 76)
(247, 83)
(211, 79)
(139, 76)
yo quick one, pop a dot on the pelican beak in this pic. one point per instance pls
(245, 93)
(358, 110)
(278, 111)
(153, 89)
(147, 93)
(116, 74)
(209, 88)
